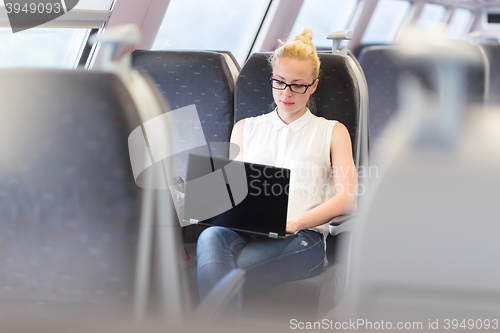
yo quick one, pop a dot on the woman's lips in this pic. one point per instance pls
(286, 103)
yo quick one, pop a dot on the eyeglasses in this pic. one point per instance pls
(296, 88)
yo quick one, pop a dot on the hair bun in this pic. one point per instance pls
(305, 36)
(301, 47)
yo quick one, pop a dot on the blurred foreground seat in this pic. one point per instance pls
(70, 206)
(431, 221)
(205, 79)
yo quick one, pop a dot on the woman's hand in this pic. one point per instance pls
(293, 225)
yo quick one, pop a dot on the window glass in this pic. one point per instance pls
(385, 21)
(431, 16)
(42, 47)
(211, 25)
(324, 17)
(459, 24)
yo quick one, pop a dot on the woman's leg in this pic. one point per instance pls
(268, 262)
(216, 252)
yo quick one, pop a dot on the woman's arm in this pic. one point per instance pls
(237, 138)
(345, 181)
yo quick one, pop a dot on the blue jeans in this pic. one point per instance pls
(267, 262)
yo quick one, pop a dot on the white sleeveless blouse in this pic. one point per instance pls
(303, 147)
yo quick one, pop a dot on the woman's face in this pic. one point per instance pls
(292, 105)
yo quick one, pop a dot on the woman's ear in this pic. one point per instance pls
(314, 86)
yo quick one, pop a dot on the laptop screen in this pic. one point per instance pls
(243, 196)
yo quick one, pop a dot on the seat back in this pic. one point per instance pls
(232, 63)
(206, 80)
(434, 257)
(202, 78)
(70, 206)
(385, 68)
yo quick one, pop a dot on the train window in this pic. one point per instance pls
(460, 23)
(333, 15)
(59, 43)
(42, 47)
(385, 21)
(211, 25)
(431, 16)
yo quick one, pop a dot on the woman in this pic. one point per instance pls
(312, 147)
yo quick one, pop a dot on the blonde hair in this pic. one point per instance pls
(301, 47)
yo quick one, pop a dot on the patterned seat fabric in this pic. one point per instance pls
(68, 199)
(204, 79)
(194, 77)
(384, 71)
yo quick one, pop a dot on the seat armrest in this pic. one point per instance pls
(338, 223)
(338, 220)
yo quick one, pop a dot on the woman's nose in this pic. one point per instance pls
(288, 91)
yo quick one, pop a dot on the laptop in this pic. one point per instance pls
(245, 197)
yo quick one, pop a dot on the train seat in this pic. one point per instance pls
(384, 68)
(435, 210)
(338, 96)
(70, 206)
(202, 78)
(205, 79)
